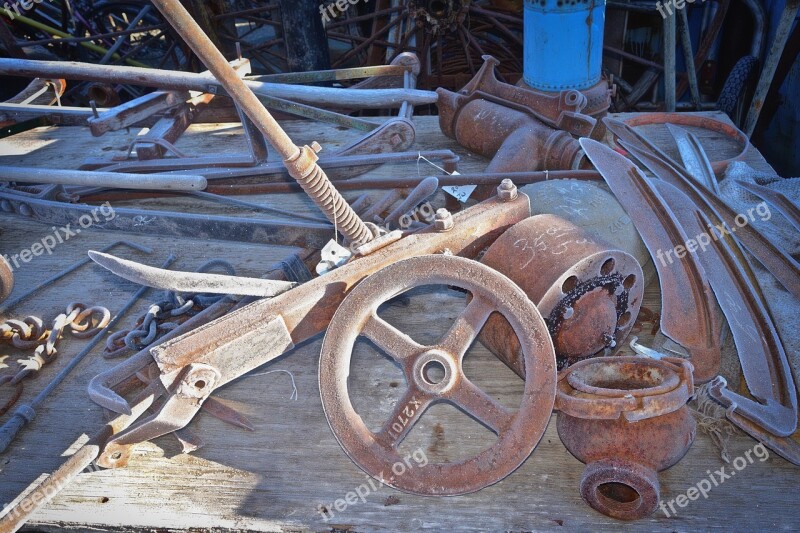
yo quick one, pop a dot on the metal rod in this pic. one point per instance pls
(669, 63)
(771, 64)
(176, 80)
(121, 40)
(519, 178)
(97, 178)
(300, 162)
(688, 58)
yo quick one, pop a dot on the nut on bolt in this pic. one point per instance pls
(507, 191)
(443, 220)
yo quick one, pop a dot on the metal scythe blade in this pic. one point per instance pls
(189, 281)
(688, 314)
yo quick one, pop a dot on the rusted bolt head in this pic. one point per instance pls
(443, 220)
(507, 191)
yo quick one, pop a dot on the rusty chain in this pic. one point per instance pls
(164, 316)
(31, 333)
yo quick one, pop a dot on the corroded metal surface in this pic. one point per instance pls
(6, 279)
(626, 418)
(301, 162)
(780, 264)
(761, 353)
(518, 431)
(688, 315)
(588, 292)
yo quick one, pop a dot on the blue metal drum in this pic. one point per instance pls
(563, 43)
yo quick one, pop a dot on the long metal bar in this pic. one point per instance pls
(300, 162)
(316, 76)
(771, 64)
(688, 58)
(669, 63)
(521, 178)
(97, 178)
(168, 224)
(175, 80)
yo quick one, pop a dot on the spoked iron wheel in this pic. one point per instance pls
(376, 451)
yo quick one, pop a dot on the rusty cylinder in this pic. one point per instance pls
(588, 292)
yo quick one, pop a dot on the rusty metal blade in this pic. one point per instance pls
(782, 266)
(694, 157)
(777, 199)
(757, 342)
(189, 281)
(226, 413)
(686, 297)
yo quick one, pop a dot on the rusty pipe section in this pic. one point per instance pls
(300, 162)
(514, 140)
(588, 292)
(626, 418)
(521, 129)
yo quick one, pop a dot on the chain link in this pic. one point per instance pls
(164, 316)
(30, 333)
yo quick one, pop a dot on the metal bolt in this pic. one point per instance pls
(443, 220)
(507, 191)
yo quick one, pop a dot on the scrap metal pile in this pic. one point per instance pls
(556, 315)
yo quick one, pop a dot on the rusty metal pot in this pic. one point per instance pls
(588, 292)
(626, 418)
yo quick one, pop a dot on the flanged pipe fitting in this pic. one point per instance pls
(626, 418)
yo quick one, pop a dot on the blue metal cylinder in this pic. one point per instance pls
(563, 43)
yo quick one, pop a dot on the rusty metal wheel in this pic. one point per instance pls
(518, 432)
(6, 279)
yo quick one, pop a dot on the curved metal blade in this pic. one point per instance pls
(694, 157)
(189, 281)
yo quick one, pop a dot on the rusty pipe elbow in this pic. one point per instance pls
(516, 141)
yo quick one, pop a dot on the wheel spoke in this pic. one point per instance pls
(404, 416)
(481, 406)
(467, 326)
(388, 338)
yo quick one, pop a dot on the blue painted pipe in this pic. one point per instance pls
(563, 43)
